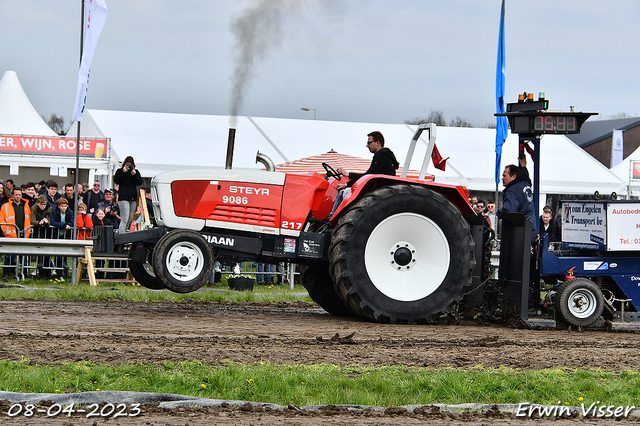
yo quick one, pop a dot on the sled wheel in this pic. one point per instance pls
(579, 302)
(401, 254)
(143, 273)
(317, 281)
(182, 261)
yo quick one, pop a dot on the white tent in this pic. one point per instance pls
(17, 115)
(623, 171)
(160, 141)
(30, 149)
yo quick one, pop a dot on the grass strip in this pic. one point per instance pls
(40, 289)
(329, 384)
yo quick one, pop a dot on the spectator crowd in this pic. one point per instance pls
(46, 210)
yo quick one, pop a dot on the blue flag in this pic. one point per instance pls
(502, 126)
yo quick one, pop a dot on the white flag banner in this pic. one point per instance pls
(95, 13)
(616, 147)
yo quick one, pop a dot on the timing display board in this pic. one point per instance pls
(542, 122)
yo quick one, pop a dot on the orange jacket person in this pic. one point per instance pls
(17, 212)
(84, 221)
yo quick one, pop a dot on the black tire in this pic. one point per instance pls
(319, 285)
(402, 254)
(182, 261)
(143, 273)
(578, 302)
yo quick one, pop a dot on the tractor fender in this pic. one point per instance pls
(456, 194)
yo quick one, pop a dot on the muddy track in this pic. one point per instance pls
(117, 332)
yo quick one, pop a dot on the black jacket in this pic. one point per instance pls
(127, 184)
(383, 163)
(517, 197)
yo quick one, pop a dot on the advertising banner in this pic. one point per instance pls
(616, 147)
(623, 229)
(584, 225)
(38, 145)
(635, 170)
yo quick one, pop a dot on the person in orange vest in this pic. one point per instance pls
(84, 223)
(15, 217)
(16, 211)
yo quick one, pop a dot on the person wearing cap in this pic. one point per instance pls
(111, 209)
(41, 189)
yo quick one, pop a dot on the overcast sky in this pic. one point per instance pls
(365, 60)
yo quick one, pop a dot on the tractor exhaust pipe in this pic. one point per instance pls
(268, 162)
(230, 144)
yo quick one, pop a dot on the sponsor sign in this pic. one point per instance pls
(584, 225)
(32, 145)
(623, 229)
(635, 170)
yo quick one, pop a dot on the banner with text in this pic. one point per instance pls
(584, 225)
(623, 230)
(34, 145)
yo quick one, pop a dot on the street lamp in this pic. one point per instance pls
(310, 109)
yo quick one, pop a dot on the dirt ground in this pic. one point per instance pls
(116, 332)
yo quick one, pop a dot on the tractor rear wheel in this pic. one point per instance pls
(579, 302)
(182, 261)
(318, 282)
(402, 254)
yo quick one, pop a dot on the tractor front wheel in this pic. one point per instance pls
(319, 285)
(183, 261)
(143, 272)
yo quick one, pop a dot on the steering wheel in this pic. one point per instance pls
(331, 172)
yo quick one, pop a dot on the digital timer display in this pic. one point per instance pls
(529, 117)
(555, 124)
(538, 122)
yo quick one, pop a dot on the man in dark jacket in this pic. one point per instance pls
(517, 196)
(92, 197)
(384, 163)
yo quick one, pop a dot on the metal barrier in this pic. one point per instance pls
(47, 245)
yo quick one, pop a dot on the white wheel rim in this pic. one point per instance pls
(582, 303)
(185, 261)
(428, 262)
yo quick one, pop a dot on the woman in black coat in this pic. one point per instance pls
(128, 179)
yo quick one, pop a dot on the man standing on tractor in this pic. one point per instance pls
(384, 163)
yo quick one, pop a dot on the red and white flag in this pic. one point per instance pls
(95, 13)
(438, 161)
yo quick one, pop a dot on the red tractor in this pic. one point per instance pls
(397, 250)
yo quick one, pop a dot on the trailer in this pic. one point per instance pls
(598, 263)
